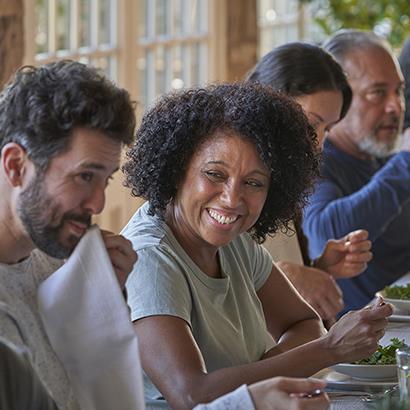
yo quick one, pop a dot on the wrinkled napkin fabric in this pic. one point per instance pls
(88, 324)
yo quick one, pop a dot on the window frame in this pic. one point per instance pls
(300, 20)
(119, 204)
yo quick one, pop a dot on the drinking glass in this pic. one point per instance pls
(403, 372)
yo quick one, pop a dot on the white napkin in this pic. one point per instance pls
(88, 324)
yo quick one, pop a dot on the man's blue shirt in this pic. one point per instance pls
(373, 195)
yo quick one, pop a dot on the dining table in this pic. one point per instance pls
(349, 394)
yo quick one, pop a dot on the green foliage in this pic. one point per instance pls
(384, 355)
(397, 292)
(390, 18)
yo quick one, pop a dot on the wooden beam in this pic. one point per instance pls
(242, 37)
(11, 38)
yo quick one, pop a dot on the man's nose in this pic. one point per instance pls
(395, 104)
(94, 203)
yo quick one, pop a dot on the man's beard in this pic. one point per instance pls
(37, 210)
(371, 146)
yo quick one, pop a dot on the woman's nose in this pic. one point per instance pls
(231, 195)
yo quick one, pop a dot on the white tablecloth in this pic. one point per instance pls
(348, 403)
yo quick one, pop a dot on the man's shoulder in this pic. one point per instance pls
(5, 297)
(44, 265)
(331, 153)
(20, 280)
(337, 163)
(10, 326)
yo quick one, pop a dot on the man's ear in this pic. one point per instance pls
(14, 163)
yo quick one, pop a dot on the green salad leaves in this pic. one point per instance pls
(397, 292)
(384, 354)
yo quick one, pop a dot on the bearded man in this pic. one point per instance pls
(365, 179)
(62, 128)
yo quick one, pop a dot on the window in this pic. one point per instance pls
(281, 21)
(173, 46)
(147, 46)
(83, 30)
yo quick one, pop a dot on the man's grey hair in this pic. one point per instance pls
(346, 41)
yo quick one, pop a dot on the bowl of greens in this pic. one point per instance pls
(398, 296)
(380, 366)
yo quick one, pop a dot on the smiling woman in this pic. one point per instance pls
(222, 167)
(179, 124)
(221, 196)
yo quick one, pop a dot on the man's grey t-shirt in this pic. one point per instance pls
(225, 314)
(19, 385)
(18, 291)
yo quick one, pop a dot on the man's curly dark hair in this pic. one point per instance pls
(41, 107)
(173, 130)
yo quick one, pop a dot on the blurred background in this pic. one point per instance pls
(150, 47)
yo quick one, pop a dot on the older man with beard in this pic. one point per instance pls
(62, 128)
(365, 179)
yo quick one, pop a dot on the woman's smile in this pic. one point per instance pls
(220, 218)
(223, 192)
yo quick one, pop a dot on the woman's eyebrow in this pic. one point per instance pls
(255, 171)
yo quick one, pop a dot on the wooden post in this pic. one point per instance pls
(11, 38)
(242, 38)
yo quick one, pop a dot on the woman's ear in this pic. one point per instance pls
(14, 163)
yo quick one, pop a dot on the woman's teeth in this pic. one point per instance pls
(221, 218)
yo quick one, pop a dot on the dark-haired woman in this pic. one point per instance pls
(222, 167)
(316, 81)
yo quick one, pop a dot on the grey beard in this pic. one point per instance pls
(376, 149)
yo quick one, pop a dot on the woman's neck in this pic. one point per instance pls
(203, 255)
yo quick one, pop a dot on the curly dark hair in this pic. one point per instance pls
(173, 130)
(41, 107)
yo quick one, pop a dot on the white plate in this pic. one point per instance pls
(368, 372)
(398, 318)
(340, 381)
(401, 306)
